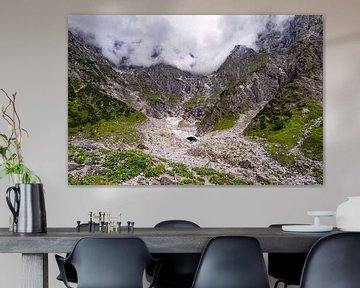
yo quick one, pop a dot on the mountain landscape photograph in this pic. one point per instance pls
(195, 100)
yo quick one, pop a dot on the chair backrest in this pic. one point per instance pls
(176, 224)
(232, 262)
(333, 262)
(286, 266)
(178, 269)
(110, 262)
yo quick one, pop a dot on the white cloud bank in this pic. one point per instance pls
(195, 43)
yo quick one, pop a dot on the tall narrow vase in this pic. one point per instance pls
(348, 214)
(27, 204)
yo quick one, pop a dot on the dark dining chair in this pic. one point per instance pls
(178, 269)
(286, 267)
(70, 271)
(333, 262)
(232, 262)
(108, 263)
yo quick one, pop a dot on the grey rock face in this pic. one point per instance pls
(166, 180)
(301, 29)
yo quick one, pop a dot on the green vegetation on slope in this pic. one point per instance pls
(227, 121)
(220, 178)
(312, 146)
(259, 64)
(205, 171)
(125, 164)
(285, 117)
(90, 180)
(154, 171)
(81, 156)
(120, 130)
(122, 165)
(174, 99)
(281, 153)
(292, 127)
(152, 97)
(283, 121)
(99, 116)
(319, 175)
(181, 170)
(195, 101)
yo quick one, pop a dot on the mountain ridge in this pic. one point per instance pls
(282, 77)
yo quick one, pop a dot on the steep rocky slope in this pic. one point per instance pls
(256, 120)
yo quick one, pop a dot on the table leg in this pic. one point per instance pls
(35, 270)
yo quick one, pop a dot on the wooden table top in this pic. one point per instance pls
(158, 240)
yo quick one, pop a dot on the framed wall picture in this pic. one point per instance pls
(195, 100)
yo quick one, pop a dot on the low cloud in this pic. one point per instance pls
(195, 43)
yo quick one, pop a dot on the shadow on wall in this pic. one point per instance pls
(343, 39)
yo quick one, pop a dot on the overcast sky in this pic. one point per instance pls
(196, 43)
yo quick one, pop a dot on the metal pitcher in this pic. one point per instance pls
(28, 208)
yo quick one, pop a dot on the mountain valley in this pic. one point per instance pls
(256, 120)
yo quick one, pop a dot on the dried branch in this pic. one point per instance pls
(12, 159)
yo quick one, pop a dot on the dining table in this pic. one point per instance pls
(35, 247)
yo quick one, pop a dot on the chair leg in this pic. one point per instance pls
(279, 281)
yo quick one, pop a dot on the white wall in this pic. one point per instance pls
(33, 62)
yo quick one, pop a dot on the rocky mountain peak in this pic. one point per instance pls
(300, 29)
(239, 50)
(237, 62)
